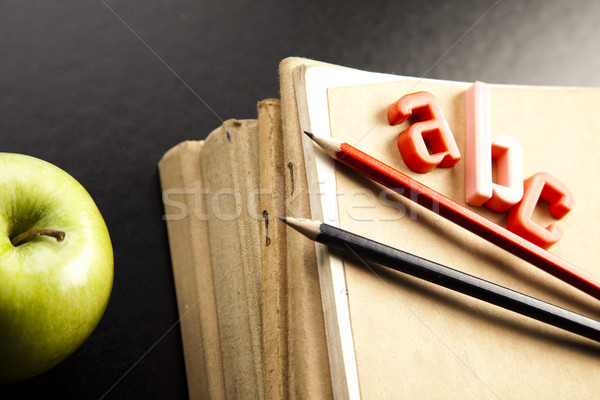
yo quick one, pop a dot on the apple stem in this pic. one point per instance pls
(33, 233)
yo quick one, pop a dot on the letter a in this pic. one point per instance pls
(430, 133)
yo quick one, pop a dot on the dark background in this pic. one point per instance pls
(103, 88)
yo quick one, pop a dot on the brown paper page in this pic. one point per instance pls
(274, 283)
(180, 178)
(416, 340)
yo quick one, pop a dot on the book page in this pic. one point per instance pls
(421, 341)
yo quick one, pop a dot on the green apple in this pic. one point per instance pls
(56, 266)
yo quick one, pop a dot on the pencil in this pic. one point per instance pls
(447, 277)
(470, 220)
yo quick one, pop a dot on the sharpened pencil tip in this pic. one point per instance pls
(307, 227)
(329, 145)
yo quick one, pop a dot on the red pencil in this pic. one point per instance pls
(449, 209)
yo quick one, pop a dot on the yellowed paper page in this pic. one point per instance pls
(415, 340)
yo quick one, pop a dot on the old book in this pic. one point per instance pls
(255, 172)
(229, 164)
(298, 321)
(181, 178)
(221, 186)
(400, 333)
(339, 346)
(307, 344)
(273, 244)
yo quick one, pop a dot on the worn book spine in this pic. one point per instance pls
(274, 260)
(180, 178)
(230, 163)
(308, 355)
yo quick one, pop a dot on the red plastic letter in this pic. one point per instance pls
(431, 132)
(540, 186)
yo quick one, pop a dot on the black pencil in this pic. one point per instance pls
(447, 277)
(415, 191)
